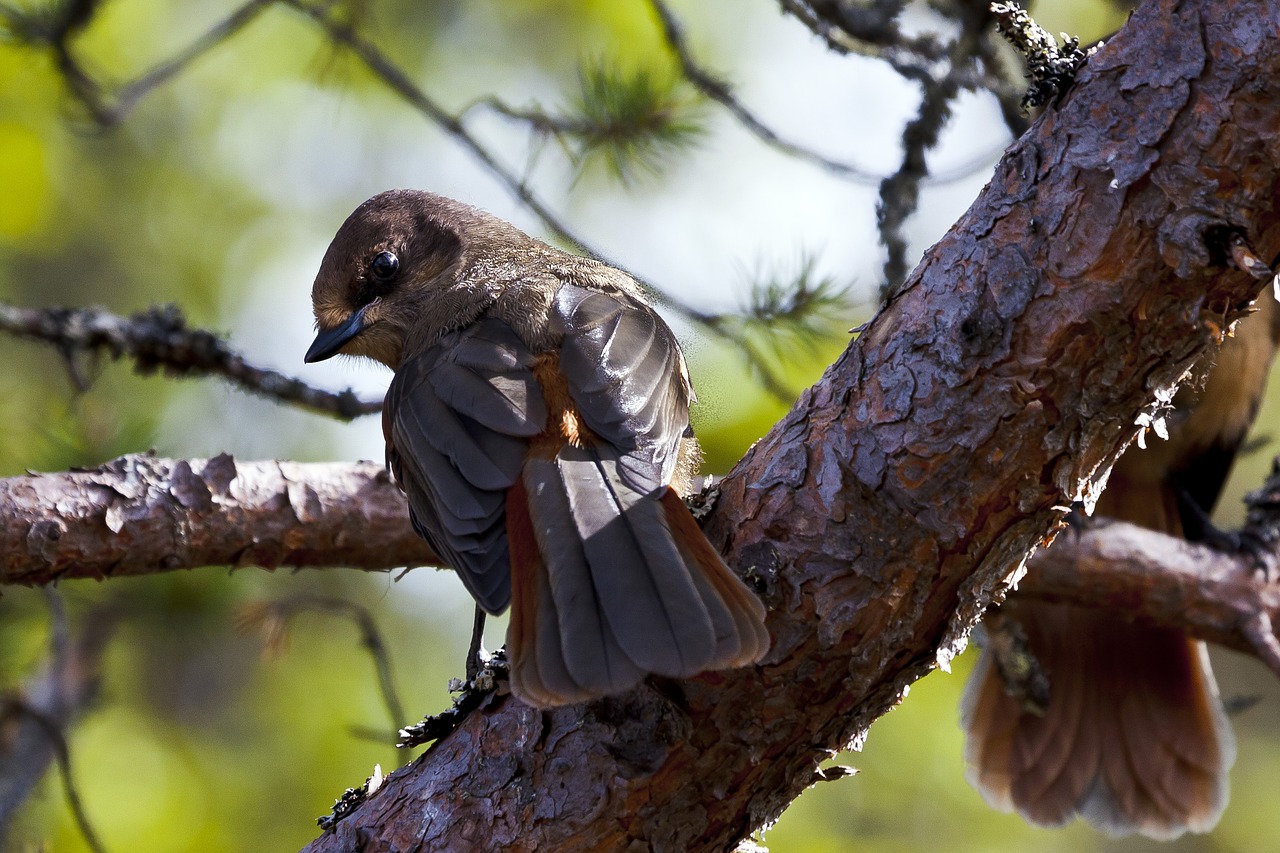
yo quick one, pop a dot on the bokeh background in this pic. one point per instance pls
(219, 193)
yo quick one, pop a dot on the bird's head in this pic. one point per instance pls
(382, 268)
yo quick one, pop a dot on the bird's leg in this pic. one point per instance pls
(475, 654)
(1251, 543)
(1019, 669)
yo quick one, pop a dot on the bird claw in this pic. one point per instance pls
(470, 695)
(1249, 544)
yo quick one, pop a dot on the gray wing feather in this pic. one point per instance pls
(626, 376)
(459, 416)
(513, 402)
(484, 458)
(591, 652)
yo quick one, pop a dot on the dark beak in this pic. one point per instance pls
(328, 342)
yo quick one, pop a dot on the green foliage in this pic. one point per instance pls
(631, 122)
(801, 311)
(792, 324)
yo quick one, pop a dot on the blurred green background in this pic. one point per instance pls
(220, 192)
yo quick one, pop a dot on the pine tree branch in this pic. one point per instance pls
(383, 68)
(107, 107)
(1140, 574)
(900, 192)
(719, 91)
(159, 339)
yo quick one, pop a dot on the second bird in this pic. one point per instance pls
(537, 421)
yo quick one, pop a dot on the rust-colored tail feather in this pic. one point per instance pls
(1133, 739)
(742, 638)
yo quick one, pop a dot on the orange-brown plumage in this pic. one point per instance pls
(564, 421)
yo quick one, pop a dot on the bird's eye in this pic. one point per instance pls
(384, 266)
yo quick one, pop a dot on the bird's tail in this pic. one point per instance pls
(610, 585)
(1133, 737)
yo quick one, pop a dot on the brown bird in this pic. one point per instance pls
(537, 422)
(1133, 737)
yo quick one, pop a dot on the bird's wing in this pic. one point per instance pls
(628, 379)
(457, 421)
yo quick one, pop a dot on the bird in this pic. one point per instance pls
(538, 424)
(1132, 735)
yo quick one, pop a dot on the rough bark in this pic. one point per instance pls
(1149, 577)
(141, 514)
(879, 517)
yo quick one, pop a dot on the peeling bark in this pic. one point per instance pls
(142, 514)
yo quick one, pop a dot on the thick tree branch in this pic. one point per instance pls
(142, 514)
(1151, 577)
(1139, 574)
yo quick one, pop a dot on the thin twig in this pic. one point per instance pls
(900, 192)
(720, 92)
(108, 110)
(159, 339)
(910, 56)
(48, 703)
(108, 113)
(913, 59)
(272, 616)
(383, 68)
(62, 757)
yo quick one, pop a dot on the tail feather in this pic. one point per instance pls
(1136, 741)
(589, 650)
(989, 736)
(742, 637)
(643, 588)
(538, 672)
(609, 585)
